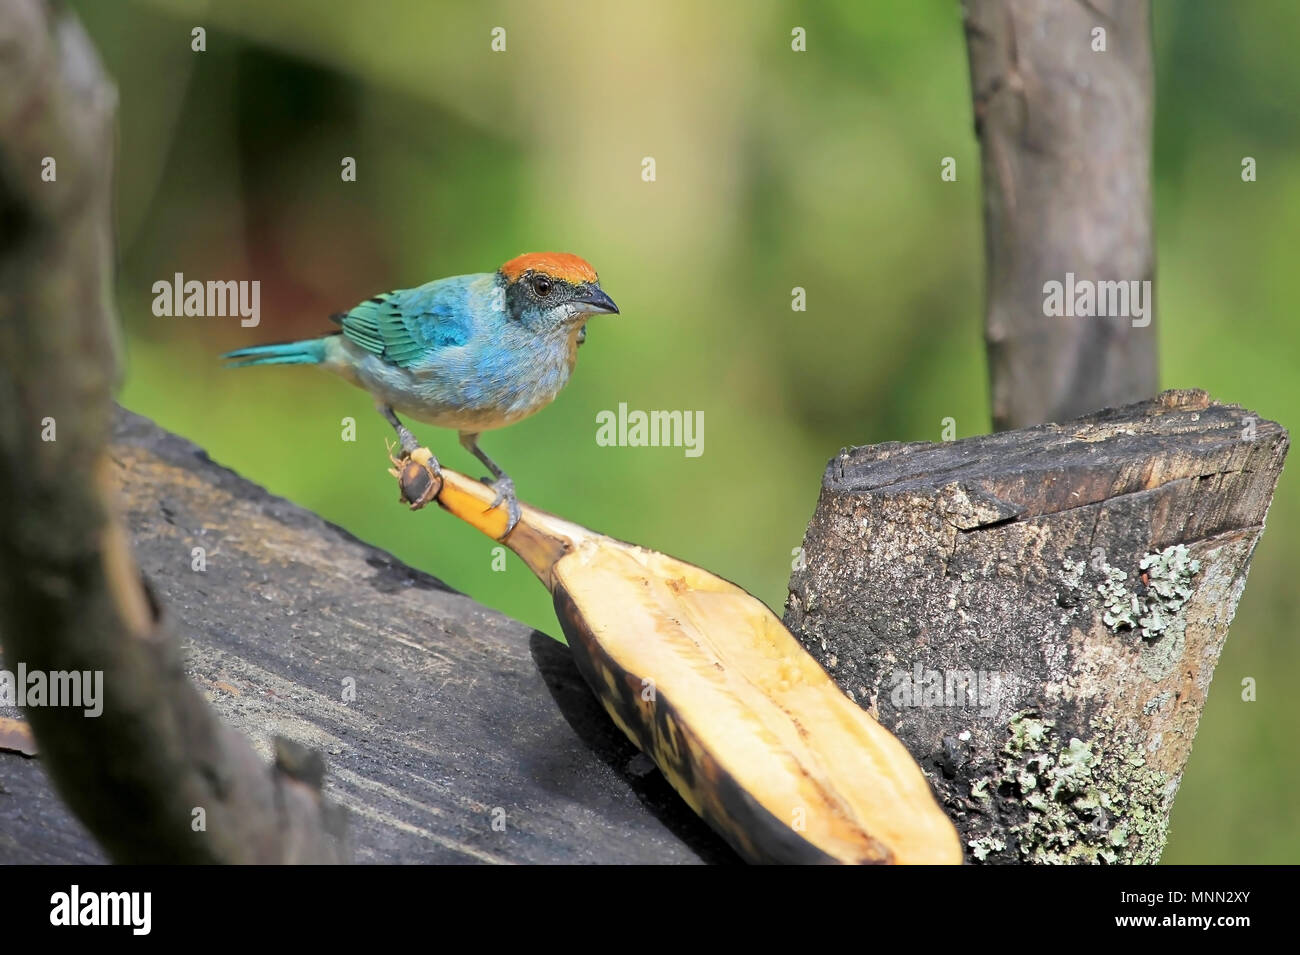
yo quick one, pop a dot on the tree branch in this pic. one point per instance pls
(1065, 139)
(71, 598)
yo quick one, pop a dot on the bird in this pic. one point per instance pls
(469, 352)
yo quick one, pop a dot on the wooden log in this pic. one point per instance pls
(1037, 614)
(461, 717)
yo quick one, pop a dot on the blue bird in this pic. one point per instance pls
(470, 352)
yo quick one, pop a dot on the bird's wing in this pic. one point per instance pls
(407, 326)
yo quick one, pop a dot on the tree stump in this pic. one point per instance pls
(1037, 614)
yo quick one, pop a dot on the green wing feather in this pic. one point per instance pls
(405, 327)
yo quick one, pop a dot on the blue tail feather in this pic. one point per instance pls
(309, 352)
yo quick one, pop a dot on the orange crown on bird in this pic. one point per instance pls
(564, 266)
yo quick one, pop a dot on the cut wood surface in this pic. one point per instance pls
(1037, 614)
(461, 715)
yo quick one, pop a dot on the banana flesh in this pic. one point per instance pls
(706, 680)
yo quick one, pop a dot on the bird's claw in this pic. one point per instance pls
(505, 489)
(418, 475)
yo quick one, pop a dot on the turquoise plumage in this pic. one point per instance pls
(470, 352)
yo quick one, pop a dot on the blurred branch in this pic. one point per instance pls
(71, 598)
(1064, 117)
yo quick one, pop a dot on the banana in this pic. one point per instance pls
(706, 680)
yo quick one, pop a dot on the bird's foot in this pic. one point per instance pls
(418, 475)
(410, 444)
(505, 489)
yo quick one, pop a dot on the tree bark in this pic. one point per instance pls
(1037, 614)
(1065, 134)
(155, 776)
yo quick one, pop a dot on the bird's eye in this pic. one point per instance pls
(542, 285)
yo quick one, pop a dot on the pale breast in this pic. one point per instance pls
(473, 387)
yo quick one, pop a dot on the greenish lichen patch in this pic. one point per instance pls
(1169, 587)
(1167, 576)
(1081, 801)
(985, 846)
(1158, 658)
(1156, 703)
(1074, 571)
(1120, 607)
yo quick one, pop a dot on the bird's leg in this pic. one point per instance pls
(409, 443)
(501, 481)
(418, 472)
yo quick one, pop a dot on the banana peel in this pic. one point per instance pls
(706, 680)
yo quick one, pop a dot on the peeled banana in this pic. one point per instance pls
(705, 679)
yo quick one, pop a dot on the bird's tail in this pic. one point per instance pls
(308, 352)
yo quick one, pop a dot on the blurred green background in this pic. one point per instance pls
(774, 170)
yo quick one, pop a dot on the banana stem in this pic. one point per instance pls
(540, 539)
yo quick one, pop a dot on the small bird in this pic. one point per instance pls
(470, 352)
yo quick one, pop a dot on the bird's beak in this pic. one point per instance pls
(596, 300)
